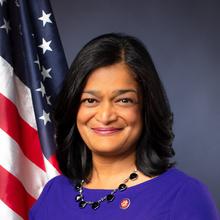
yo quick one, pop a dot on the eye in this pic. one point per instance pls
(125, 101)
(89, 101)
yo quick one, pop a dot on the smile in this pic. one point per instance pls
(106, 131)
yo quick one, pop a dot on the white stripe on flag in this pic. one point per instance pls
(51, 171)
(15, 162)
(15, 90)
(8, 80)
(7, 213)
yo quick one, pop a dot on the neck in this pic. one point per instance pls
(108, 172)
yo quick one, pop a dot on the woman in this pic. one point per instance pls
(114, 136)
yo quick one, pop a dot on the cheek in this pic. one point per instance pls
(83, 116)
(132, 116)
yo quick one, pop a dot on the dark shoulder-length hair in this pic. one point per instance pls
(154, 149)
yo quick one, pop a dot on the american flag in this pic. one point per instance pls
(32, 68)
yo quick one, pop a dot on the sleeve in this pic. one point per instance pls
(194, 201)
(38, 210)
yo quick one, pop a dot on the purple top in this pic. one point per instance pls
(171, 196)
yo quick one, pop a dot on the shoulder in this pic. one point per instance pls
(193, 199)
(54, 183)
(174, 174)
(50, 190)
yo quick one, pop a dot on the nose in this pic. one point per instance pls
(106, 113)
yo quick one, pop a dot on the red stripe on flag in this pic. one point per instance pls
(14, 195)
(26, 136)
(53, 161)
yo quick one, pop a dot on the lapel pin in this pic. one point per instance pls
(125, 203)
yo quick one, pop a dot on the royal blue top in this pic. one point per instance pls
(171, 196)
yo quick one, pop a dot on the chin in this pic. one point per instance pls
(109, 153)
(109, 150)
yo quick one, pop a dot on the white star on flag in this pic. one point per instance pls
(45, 73)
(45, 45)
(37, 61)
(2, 2)
(45, 117)
(45, 18)
(41, 89)
(6, 26)
(16, 3)
(48, 100)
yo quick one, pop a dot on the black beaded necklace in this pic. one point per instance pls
(109, 197)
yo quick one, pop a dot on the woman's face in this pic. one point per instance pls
(109, 116)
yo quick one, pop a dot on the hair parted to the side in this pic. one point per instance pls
(154, 149)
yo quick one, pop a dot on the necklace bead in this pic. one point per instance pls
(133, 176)
(95, 205)
(78, 198)
(78, 187)
(82, 204)
(122, 187)
(110, 197)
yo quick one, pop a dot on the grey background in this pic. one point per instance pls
(183, 37)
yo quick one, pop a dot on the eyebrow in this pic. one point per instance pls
(116, 92)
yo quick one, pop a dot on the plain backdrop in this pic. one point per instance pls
(183, 38)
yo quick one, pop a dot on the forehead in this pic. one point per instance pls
(113, 77)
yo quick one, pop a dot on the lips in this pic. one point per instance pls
(106, 131)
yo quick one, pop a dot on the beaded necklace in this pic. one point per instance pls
(109, 197)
